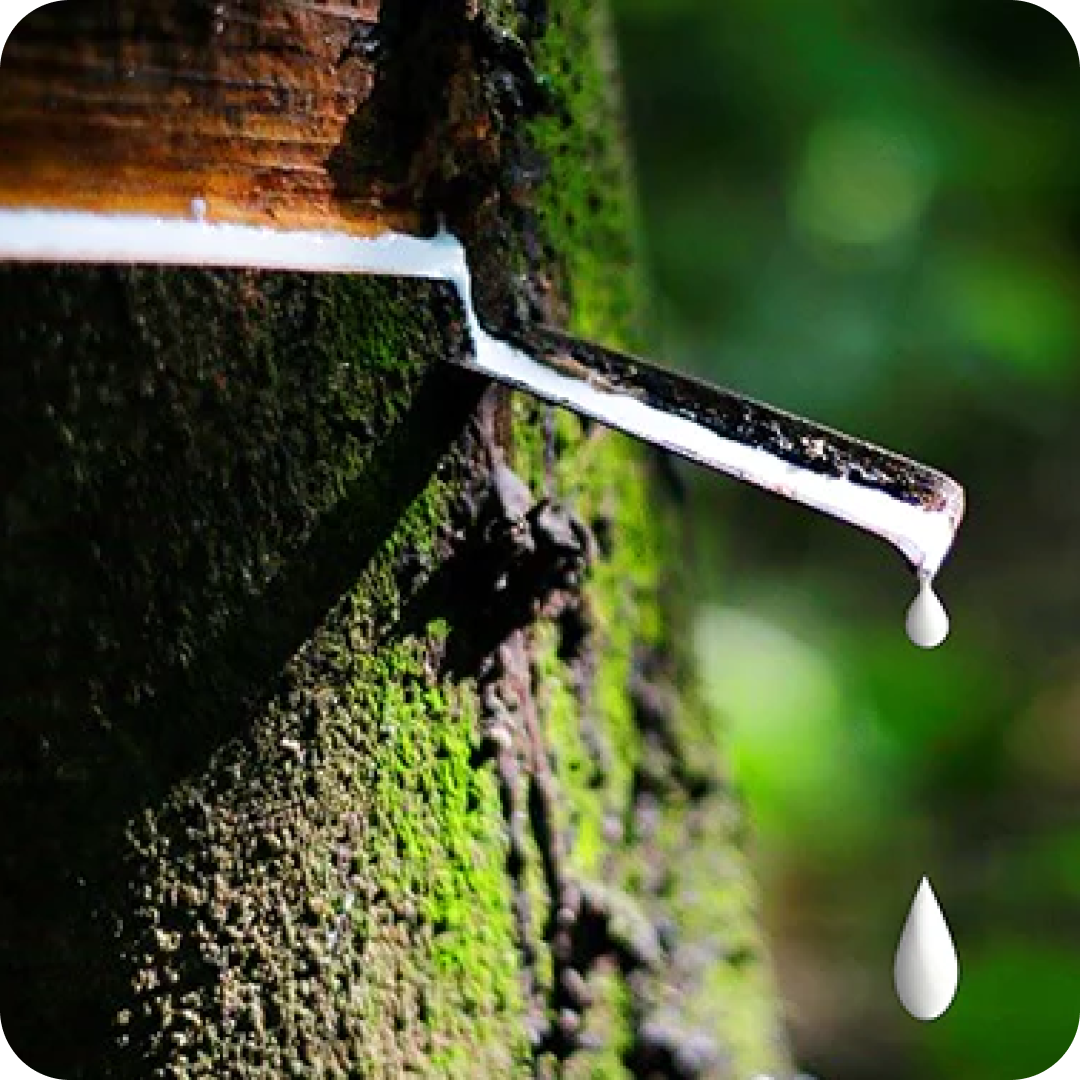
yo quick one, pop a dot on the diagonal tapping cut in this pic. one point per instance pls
(915, 508)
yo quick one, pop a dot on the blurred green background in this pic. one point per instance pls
(868, 212)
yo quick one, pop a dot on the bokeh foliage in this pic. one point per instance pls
(869, 212)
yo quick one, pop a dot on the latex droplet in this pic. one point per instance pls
(926, 970)
(927, 620)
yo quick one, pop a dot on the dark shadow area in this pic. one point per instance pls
(194, 468)
(439, 130)
(498, 579)
(400, 139)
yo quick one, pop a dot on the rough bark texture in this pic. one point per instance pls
(332, 746)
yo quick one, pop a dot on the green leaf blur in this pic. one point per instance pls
(869, 212)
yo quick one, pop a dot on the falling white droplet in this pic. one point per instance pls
(927, 620)
(926, 970)
(198, 209)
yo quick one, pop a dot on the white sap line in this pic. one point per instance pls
(86, 237)
(923, 536)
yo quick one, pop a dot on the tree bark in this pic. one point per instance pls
(349, 728)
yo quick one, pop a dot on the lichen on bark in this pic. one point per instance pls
(315, 765)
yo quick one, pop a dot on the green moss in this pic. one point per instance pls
(588, 222)
(588, 213)
(611, 1021)
(436, 859)
(604, 477)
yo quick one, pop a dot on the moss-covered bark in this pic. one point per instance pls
(313, 766)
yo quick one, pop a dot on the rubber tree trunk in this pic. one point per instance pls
(348, 728)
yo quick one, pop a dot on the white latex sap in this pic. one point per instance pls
(923, 535)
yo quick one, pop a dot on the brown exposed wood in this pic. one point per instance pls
(149, 105)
